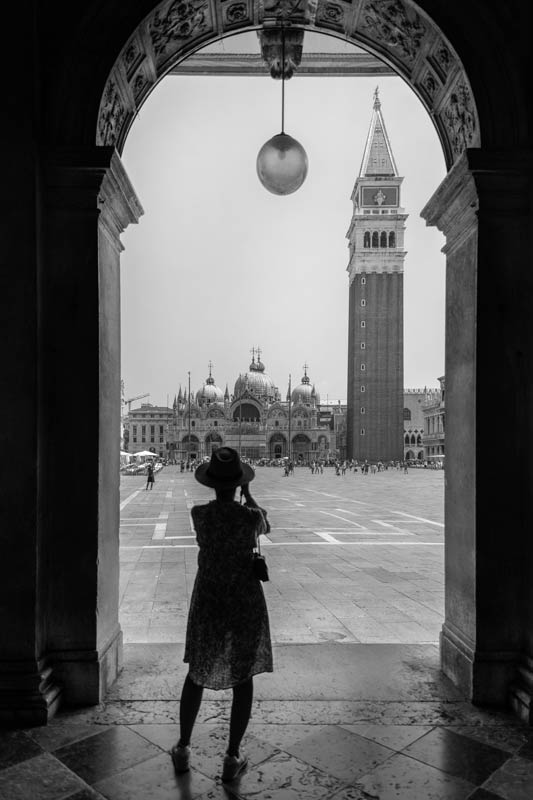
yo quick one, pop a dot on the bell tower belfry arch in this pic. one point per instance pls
(374, 423)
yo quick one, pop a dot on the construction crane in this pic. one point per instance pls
(131, 399)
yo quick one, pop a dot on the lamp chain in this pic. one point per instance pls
(282, 79)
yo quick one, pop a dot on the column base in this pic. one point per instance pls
(86, 675)
(521, 692)
(29, 693)
(484, 677)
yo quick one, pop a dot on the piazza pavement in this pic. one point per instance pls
(351, 558)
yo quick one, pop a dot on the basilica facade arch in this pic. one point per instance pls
(70, 199)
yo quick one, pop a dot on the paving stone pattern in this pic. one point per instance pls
(351, 558)
(287, 761)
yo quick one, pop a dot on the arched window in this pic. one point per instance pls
(375, 239)
(413, 439)
(383, 239)
(407, 413)
(366, 240)
(406, 439)
(419, 440)
(392, 239)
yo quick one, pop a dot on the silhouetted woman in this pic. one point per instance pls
(228, 634)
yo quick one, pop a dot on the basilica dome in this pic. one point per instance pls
(256, 381)
(210, 392)
(304, 392)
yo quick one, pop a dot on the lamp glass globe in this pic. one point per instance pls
(282, 164)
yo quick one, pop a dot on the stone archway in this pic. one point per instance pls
(71, 200)
(413, 45)
(300, 448)
(212, 442)
(190, 449)
(277, 446)
(396, 30)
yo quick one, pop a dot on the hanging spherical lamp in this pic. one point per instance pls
(282, 161)
(282, 164)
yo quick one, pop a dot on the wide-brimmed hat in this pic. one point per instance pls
(225, 470)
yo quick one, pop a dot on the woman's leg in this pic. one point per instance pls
(241, 709)
(191, 697)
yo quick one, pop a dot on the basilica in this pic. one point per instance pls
(255, 419)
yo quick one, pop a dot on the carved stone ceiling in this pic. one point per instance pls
(394, 30)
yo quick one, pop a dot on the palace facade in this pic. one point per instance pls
(435, 423)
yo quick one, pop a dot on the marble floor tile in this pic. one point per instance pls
(396, 737)
(155, 779)
(85, 794)
(509, 738)
(483, 794)
(39, 778)
(106, 754)
(403, 778)
(280, 736)
(513, 781)
(284, 777)
(16, 746)
(457, 755)
(340, 752)
(61, 731)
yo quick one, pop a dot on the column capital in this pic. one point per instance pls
(95, 180)
(480, 182)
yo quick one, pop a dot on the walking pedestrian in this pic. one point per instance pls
(228, 634)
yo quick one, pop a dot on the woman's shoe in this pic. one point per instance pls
(233, 766)
(180, 757)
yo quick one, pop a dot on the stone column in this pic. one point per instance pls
(64, 639)
(90, 201)
(483, 207)
(27, 691)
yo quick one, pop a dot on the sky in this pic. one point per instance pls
(217, 265)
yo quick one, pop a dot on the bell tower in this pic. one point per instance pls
(375, 326)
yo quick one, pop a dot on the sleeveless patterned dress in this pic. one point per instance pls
(228, 632)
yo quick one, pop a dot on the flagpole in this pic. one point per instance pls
(240, 419)
(189, 442)
(290, 403)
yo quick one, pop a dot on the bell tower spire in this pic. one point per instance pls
(377, 156)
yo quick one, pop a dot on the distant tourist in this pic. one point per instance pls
(228, 634)
(150, 476)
